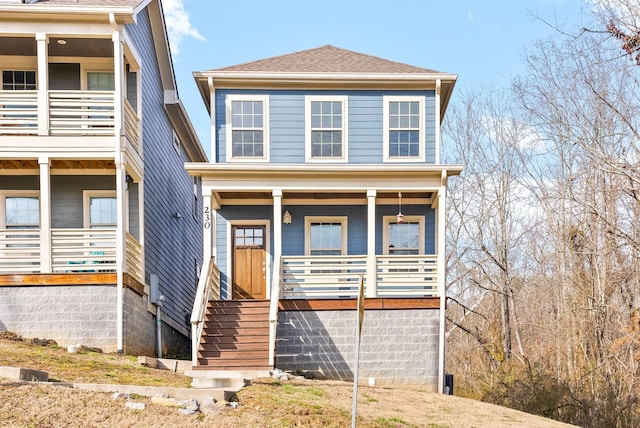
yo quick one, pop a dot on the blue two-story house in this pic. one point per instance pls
(98, 217)
(325, 174)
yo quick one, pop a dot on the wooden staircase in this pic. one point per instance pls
(235, 336)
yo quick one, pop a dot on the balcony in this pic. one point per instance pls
(72, 251)
(70, 113)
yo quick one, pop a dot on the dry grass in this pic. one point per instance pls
(266, 403)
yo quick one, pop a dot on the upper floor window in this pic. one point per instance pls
(247, 127)
(325, 236)
(326, 128)
(404, 238)
(404, 128)
(18, 80)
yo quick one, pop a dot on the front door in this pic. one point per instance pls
(249, 262)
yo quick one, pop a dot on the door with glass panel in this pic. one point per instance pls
(20, 243)
(249, 262)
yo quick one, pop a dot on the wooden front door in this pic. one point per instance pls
(249, 262)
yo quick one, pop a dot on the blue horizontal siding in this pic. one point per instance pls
(287, 123)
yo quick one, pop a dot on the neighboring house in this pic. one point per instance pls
(325, 171)
(95, 203)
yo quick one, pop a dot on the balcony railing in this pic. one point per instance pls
(339, 276)
(90, 113)
(72, 251)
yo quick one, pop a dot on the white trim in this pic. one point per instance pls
(387, 220)
(86, 203)
(345, 127)
(421, 130)
(265, 127)
(4, 194)
(267, 243)
(325, 219)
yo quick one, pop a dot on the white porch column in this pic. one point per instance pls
(118, 78)
(45, 215)
(42, 43)
(141, 222)
(277, 223)
(372, 286)
(207, 225)
(212, 109)
(441, 269)
(120, 250)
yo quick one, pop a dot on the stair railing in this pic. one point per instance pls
(208, 289)
(276, 289)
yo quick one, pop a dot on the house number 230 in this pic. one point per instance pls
(207, 217)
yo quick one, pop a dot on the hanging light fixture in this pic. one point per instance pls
(399, 216)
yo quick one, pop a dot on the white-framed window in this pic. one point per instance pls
(326, 131)
(404, 128)
(100, 209)
(403, 238)
(19, 80)
(247, 127)
(101, 81)
(325, 236)
(20, 209)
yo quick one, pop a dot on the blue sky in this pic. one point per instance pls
(481, 41)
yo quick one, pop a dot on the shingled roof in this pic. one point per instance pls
(326, 59)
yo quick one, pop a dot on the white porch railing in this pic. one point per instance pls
(19, 112)
(208, 289)
(276, 291)
(132, 127)
(338, 276)
(407, 275)
(322, 276)
(134, 258)
(70, 113)
(81, 113)
(19, 250)
(72, 250)
(83, 250)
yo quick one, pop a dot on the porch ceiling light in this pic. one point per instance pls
(61, 42)
(286, 217)
(399, 216)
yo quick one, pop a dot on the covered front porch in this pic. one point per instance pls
(324, 231)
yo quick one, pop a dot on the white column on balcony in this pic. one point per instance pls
(441, 270)
(118, 76)
(42, 43)
(45, 215)
(372, 288)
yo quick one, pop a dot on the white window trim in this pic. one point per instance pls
(13, 194)
(177, 144)
(345, 127)
(422, 133)
(265, 127)
(86, 203)
(325, 219)
(386, 220)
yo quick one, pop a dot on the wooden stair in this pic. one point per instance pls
(235, 336)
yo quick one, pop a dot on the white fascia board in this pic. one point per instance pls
(249, 75)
